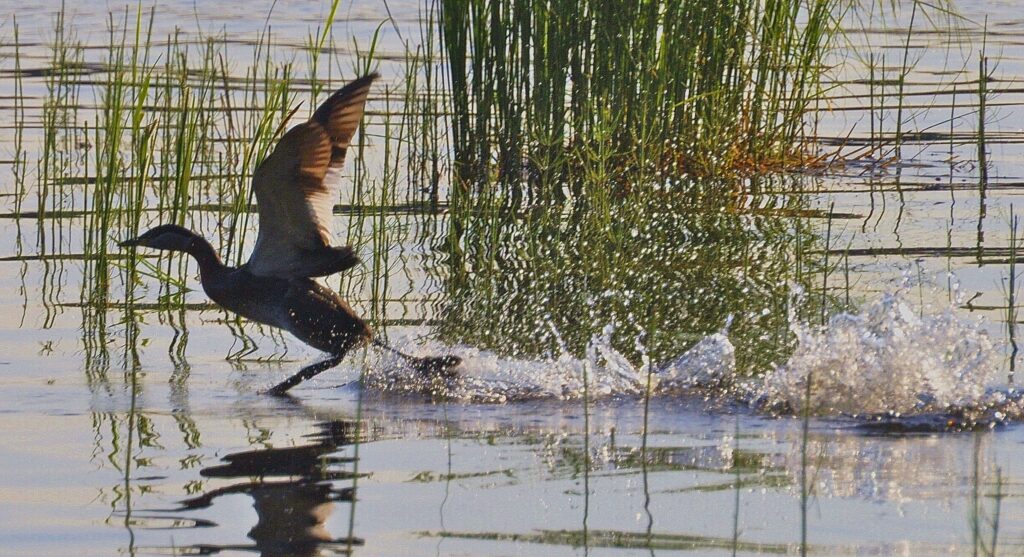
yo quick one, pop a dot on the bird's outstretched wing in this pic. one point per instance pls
(296, 187)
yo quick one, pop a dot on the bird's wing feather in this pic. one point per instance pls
(296, 187)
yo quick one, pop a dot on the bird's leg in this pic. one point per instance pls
(307, 372)
(381, 344)
(430, 366)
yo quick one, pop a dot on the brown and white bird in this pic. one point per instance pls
(296, 187)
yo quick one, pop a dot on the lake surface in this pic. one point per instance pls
(139, 428)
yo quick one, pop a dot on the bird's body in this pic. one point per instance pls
(315, 314)
(311, 312)
(295, 193)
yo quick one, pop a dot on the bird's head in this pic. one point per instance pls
(168, 237)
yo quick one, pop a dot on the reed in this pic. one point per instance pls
(315, 47)
(984, 76)
(826, 270)
(901, 85)
(267, 86)
(578, 128)
(142, 152)
(169, 129)
(704, 87)
(1010, 291)
(19, 165)
(560, 176)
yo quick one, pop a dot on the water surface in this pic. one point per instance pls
(140, 430)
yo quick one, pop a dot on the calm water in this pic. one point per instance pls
(163, 446)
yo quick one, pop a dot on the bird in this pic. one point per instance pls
(295, 188)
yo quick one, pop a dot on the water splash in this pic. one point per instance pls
(602, 372)
(892, 362)
(709, 364)
(889, 358)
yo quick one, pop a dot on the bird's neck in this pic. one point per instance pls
(204, 254)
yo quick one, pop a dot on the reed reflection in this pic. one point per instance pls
(666, 266)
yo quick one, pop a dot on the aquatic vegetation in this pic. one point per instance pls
(565, 218)
(545, 94)
(178, 128)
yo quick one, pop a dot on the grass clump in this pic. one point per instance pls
(543, 91)
(596, 147)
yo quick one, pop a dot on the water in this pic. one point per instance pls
(142, 431)
(887, 359)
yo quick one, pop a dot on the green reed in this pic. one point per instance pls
(424, 103)
(983, 78)
(169, 129)
(382, 239)
(270, 90)
(61, 153)
(701, 86)
(901, 85)
(101, 205)
(179, 129)
(576, 130)
(19, 165)
(142, 153)
(826, 270)
(315, 47)
(59, 116)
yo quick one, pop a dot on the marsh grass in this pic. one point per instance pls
(544, 152)
(20, 163)
(984, 76)
(542, 92)
(1011, 290)
(174, 125)
(535, 133)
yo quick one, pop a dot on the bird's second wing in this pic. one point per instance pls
(296, 189)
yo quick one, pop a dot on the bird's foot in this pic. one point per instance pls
(441, 366)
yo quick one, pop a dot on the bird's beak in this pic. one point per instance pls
(129, 243)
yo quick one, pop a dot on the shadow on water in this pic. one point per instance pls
(293, 490)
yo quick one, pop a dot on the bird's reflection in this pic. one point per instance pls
(294, 491)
